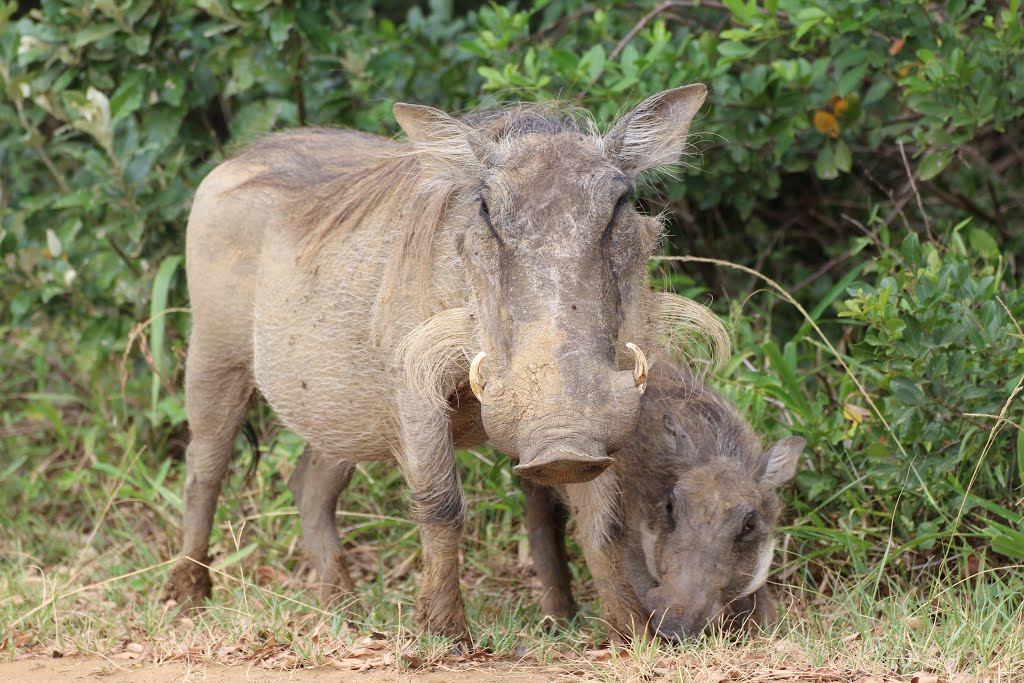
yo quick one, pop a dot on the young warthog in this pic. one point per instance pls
(697, 512)
(350, 279)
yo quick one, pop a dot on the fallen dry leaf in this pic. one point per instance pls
(268, 576)
(869, 679)
(924, 677)
(412, 660)
(348, 664)
(915, 622)
(602, 655)
(973, 567)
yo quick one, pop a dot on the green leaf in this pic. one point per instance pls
(92, 33)
(906, 391)
(259, 117)
(740, 10)
(234, 558)
(128, 96)
(808, 18)
(911, 249)
(851, 79)
(983, 243)
(843, 158)
(494, 80)
(281, 23)
(733, 50)
(825, 165)
(1020, 452)
(157, 314)
(934, 163)
(786, 372)
(593, 62)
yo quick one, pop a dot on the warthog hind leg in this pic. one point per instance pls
(545, 523)
(316, 484)
(216, 398)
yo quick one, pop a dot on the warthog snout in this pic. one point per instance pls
(564, 466)
(681, 611)
(559, 422)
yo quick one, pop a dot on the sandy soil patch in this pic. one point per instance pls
(98, 669)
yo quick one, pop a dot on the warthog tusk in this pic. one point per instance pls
(640, 369)
(474, 376)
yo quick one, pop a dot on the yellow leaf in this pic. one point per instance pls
(855, 414)
(826, 123)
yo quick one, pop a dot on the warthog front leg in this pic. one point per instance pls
(600, 532)
(545, 524)
(428, 462)
(316, 485)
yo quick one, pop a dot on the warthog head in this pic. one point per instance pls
(556, 255)
(707, 530)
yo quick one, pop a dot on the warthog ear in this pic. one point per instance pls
(780, 461)
(441, 136)
(654, 134)
(678, 442)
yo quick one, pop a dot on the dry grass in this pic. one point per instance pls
(99, 599)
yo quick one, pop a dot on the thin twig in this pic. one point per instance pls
(646, 19)
(917, 195)
(826, 267)
(639, 26)
(873, 234)
(999, 420)
(1010, 316)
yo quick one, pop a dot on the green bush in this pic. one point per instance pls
(114, 111)
(911, 423)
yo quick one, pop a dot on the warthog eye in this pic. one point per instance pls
(623, 200)
(749, 525)
(485, 213)
(670, 507)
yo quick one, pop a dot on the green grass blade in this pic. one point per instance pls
(158, 326)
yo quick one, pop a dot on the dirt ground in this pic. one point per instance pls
(98, 669)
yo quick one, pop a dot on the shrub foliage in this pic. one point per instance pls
(865, 155)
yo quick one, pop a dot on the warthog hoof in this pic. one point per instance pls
(448, 626)
(562, 466)
(342, 601)
(557, 607)
(189, 584)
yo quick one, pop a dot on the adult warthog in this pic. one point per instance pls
(351, 279)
